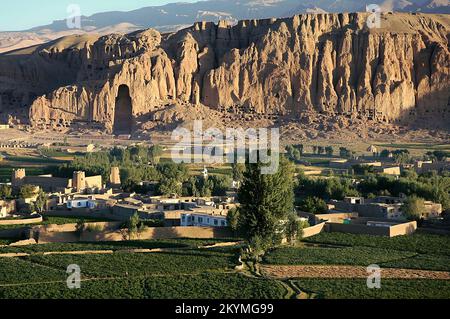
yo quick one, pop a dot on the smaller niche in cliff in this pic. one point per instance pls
(123, 116)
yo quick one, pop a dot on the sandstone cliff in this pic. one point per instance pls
(324, 63)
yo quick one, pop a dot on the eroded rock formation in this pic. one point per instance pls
(327, 63)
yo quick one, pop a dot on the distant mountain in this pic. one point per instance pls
(430, 6)
(175, 16)
(171, 16)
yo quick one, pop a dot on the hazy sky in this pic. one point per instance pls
(18, 15)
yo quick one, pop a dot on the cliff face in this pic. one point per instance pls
(327, 63)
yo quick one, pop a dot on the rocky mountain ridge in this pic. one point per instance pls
(330, 64)
(175, 16)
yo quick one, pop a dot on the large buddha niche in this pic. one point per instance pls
(123, 116)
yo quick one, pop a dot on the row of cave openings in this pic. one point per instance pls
(123, 115)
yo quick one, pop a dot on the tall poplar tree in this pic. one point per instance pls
(265, 203)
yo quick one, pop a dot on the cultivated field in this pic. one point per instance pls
(324, 266)
(390, 289)
(183, 272)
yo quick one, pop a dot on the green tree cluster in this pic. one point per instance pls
(360, 169)
(328, 188)
(214, 185)
(429, 186)
(314, 205)
(438, 155)
(294, 152)
(5, 192)
(27, 191)
(135, 163)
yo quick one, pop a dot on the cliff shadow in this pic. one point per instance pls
(430, 112)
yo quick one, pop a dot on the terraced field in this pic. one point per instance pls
(418, 242)
(358, 256)
(114, 246)
(419, 251)
(327, 266)
(185, 271)
(333, 265)
(200, 286)
(135, 264)
(390, 289)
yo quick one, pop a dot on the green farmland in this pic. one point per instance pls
(180, 273)
(418, 251)
(179, 268)
(118, 246)
(199, 286)
(390, 289)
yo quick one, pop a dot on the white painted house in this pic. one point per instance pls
(81, 203)
(203, 220)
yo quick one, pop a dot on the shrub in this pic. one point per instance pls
(314, 205)
(413, 208)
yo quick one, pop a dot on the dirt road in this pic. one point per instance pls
(314, 271)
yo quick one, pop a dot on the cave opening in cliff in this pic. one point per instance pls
(123, 117)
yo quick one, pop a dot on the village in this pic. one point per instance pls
(90, 196)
